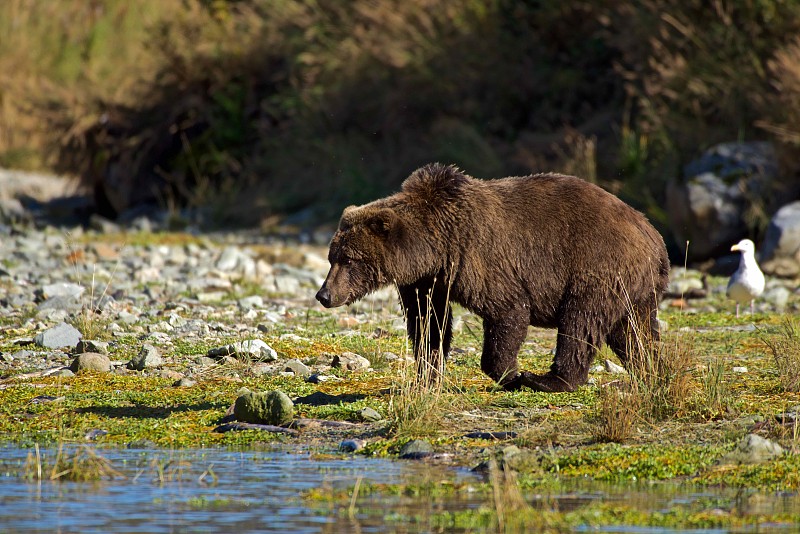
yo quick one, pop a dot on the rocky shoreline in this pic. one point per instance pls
(206, 287)
(134, 299)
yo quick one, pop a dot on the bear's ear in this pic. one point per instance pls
(346, 221)
(382, 222)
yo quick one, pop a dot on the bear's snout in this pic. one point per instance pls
(324, 296)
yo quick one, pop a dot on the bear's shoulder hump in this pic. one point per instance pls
(435, 180)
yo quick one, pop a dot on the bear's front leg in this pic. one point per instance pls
(430, 326)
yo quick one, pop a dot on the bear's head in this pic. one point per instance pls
(398, 239)
(359, 252)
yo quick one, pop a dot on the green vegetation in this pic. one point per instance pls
(628, 430)
(284, 104)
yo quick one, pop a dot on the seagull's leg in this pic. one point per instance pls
(737, 310)
(751, 306)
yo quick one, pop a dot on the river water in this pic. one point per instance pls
(219, 490)
(208, 490)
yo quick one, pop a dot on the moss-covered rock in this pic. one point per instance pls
(266, 408)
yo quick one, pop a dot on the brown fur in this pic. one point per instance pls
(545, 250)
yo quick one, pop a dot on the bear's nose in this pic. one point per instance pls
(324, 297)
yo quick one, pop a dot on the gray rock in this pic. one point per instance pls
(680, 286)
(126, 317)
(148, 357)
(613, 368)
(790, 417)
(20, 355)
(778, 296)
(13, 212)
(254, 349)
(95, 434)
(317, 378)
(369, 415)
(268, 408)
(780, 251)
(205, 361)
(350, 361)
(228, 259)
(512, 457)
(390, 357)
(61, 335)
(262, 369)
(416, 449)
(707, 207)
(352, 445)
(102, 225)
(67, 303)
(286, 285)
(249, 303)
(210, 284)
(297, 367)
(184, 383)
(53, 316)
(752, 449)
(90, 361)
(92, 345)
(62, 289)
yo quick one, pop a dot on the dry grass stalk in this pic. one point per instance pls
(506, 496)
(419, 402)
(618, 414)
(785, 348)
(660, 381)
(716, 395)
(83, 465)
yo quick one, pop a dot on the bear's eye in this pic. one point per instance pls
(347, 261)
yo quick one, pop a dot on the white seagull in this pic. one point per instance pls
(747, 282)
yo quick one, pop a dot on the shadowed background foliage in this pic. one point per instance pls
(260, 108)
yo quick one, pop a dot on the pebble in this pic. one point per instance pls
(613, 368)
(297, 367)
(184, 383)
(416, 449)
(148, 357)
(318, 378)
(352, 445)
(62, 289)
(94, 434)
(255, 349)
(752, 449)
(92, 345)
(350, 361)
(369, 415)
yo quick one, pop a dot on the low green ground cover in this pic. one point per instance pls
(558, 432)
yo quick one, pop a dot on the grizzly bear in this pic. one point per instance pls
(545, 250)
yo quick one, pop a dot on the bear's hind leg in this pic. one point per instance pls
(501, 343)
(632, 341)
(575, 350)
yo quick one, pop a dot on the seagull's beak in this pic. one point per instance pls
(735, 247)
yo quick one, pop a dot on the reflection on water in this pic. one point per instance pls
(217, 490)
(208, 490)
